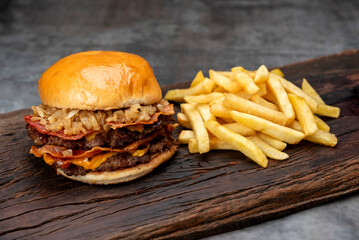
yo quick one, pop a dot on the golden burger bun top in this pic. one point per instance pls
(99, 80)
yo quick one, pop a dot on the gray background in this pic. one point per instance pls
(178, 38)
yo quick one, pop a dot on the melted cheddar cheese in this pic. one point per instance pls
(48, 159)
(140, 152)
(94, 162)
(88, 164)
(138, 128)
(91, 136)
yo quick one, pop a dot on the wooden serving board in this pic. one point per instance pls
(190, 196)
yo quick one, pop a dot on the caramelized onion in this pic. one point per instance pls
(75, 121)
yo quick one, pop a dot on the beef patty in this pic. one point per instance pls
(114, 138)
(124, 160)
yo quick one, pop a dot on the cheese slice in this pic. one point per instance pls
(88, 164)
(138, 128)
(94, 162)
(140, 152)
(91, 136)
(48, 159)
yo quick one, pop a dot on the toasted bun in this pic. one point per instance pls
(123, 175)
(99, 80)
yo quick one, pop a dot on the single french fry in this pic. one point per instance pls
(277, 72)
(246, 81)
(185, 136)
(234, 102)
(241, 143)
(192, 145)
(267, 149)
(219, 89)
(244, 94)
(228, 84)
(304, 114)
(238, 69)
(267, 127)
(239, 128)
(222, 120)
(261, 75)
(204, 98)
(219, 110)
(199, 78)
(178, 95)
(226, 74)
(183, 120)
(282, 98)
(261, 101)
(270, 97)
(328, 111)
(309, 90)
(214, 142)
(205, 112)
(217, 101)
(320, 137)
(276, 143)
(262, 89)
(198, 126)
(291, 88)
(321, 124)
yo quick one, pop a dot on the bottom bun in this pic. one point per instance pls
(123, 175)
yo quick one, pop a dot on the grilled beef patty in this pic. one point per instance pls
(114, 138)
(124, 160)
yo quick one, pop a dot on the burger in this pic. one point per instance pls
(102, 119)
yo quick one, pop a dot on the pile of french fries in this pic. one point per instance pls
(254, 112)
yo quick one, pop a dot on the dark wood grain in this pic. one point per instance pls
(191, 196)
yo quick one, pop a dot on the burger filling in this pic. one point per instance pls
(119, 141)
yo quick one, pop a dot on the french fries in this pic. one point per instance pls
(204, 98)
(276, 143)
(309, 90)
(321, 124)
(225, 82)
(272, 129)
(219, 110)
(238, 142)
(239, 128)
(322, 109)
(319, 137)
(262, 89)
(214, 143)
(291, 88)
(234, 102)
(304, 114)
(267, 149)
(205, 112)
(282, 98)
(254, 112)
(246, 81)
(199, 129)
(183, 120)
(277, 72)
(185, 136)
(261, 75)
(199, 78)
(261, 101)
(178, 95)
(328, 111)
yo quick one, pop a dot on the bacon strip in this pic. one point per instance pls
(168, 110)
(57, 151)
(41, 128)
